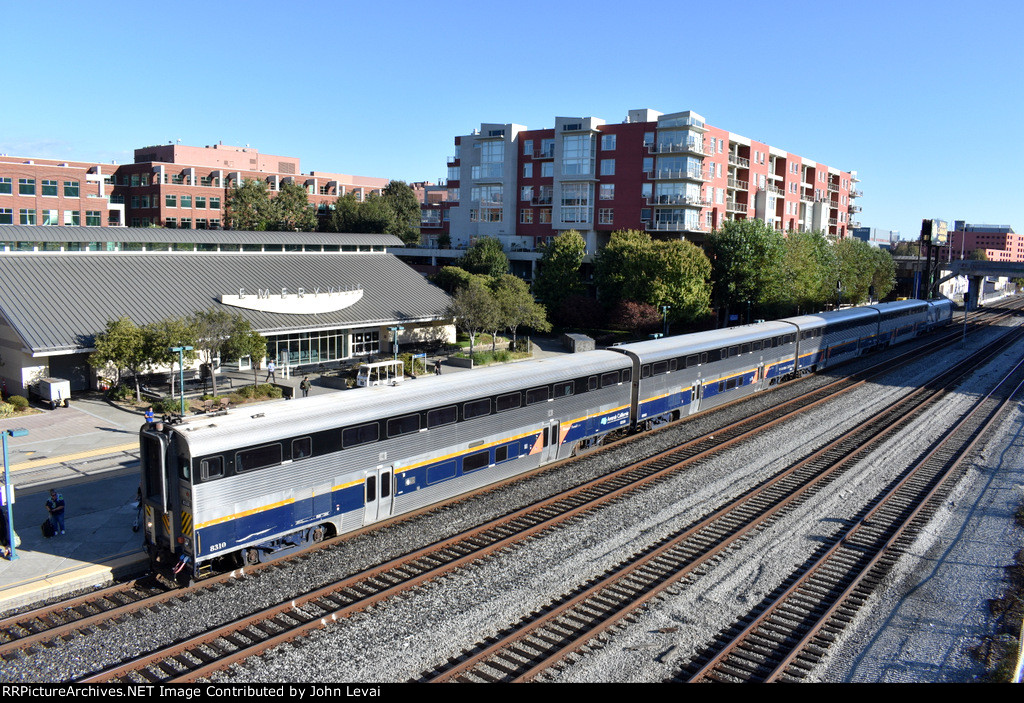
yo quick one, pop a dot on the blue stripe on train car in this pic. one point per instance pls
(779, 369)
(283, 518)
(665, 404)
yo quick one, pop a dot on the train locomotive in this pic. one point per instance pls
(256, 483)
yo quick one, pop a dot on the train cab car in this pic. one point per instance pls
(834, 337)
(940, 313)
(679, 376)
(901, 320)
(260, 481)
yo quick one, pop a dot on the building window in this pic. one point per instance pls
(214, 223)
(547, 169)
(186, 201)
(200, 223)
(526, 193)
(93, 218)
(5, 186)
(49, 217)
(70, 189)
(528, 148)
(135, 180)
(545, 215)
(215, 203)
(608, 142)
(528, 170)
(6, 216)
(171, 222)
(171, 200)
(577, 154)
(607, 191)
(201, 201)
(604, 216)
(49, 188)
(26, 217)
(186, 223)
(526, 216)
(26, 186)
(608, 167)
(576, 202)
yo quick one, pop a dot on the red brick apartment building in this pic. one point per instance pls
(169, 185)
(669, 174)
(999, 242)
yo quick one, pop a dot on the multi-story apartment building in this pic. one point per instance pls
(999, 242)
(669, 174)
(168, 185)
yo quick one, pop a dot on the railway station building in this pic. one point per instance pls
(318, 298)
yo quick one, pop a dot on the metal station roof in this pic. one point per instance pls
(58, 301)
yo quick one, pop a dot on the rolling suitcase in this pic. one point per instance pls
(47, 528)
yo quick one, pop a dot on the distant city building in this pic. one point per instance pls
(168, 185)
(882, 238)
(999, 242)
(669, 174)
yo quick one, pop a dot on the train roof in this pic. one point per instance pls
(668, 347)
(253, 424)
(833, 317)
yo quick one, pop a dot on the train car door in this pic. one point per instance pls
(377, 494)
(550, 451)
(695, 397)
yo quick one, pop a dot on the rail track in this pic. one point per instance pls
(219, 648)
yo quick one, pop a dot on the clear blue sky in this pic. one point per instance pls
(923, 99)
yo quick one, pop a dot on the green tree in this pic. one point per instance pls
(246, 342)
(558, 277)
(486, 257)
(810, 271)
(122, 346)
(219, 333)
(451, 278)
(746, 265)
(292, 211)
(883, 278)
(516, 306)
(372, 216)
(248, 207)
(406, 208)
(856, 270)
(160, 336)
(474, 309)
(659, 273)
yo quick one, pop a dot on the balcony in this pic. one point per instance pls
(739, 161)
(856, 193)
(733, 206)
(678, 200)
(737, 184)
(691, 174)
(673, 227)
(544, 153)
(689, 146)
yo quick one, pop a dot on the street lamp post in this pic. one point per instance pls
(394, 338)
(181, 370)
(8, 489)
(664, 319)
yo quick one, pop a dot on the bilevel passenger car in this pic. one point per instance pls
(261, 481)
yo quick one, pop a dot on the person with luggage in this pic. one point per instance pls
(55, 506)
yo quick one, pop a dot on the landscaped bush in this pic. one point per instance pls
(20, 404)
(120, 392)
(168, 406)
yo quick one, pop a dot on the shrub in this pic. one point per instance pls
(6, 409)
(168, 406)
(120, 392)
(20, 404)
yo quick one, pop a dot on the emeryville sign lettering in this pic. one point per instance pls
(301, 301)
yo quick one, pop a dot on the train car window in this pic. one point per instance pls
(537, 395)
(659, 367)
(211, 467)
(258, 458)
(509, 401)
(745, 348)
(673, 364)
(756, 346)
(645, 371)
(627, 374)
(733, 351)
(609, 379)
(704, 357)
(385, 486)
(478, 460)
(371, 489)
(302, 448)
(500, 454)
(407, 424)
(361, 434)
(592, 383)
(441, 416)
(441, 472)
(476, 408)
(563, 389)
(692, 360)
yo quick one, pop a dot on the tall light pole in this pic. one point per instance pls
(664, 319)
(394, 338)
(181, 370)
(9, 490)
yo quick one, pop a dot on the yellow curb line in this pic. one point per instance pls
(53, 461)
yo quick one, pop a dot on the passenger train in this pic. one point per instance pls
(261, 481)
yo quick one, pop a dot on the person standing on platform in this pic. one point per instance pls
(271, 376)
(55, 506)
(305, 386)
